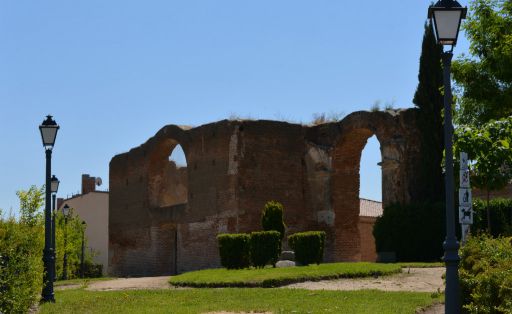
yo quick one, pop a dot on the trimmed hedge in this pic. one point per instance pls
(234, 250)
(308, 246)
(486, 274)
(265, 248)
(501, 217)
(272, 217)
(415, 232)
(21, 266)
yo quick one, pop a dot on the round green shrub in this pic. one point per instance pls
(308, 246)
(265, 248)
(272, 218)
(485, 273)
(234, 250)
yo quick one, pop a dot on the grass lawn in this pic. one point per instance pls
(237, 299)
(273, 277)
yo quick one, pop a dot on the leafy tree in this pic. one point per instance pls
(73, 230)
(272, 218)
(429, 99)
(31, 202)
(484, 78)
(489, 147)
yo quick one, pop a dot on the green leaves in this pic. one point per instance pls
(272, 218)
(489, 149)
(484, 80)
(31, 202)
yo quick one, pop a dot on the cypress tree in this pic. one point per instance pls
(429, 99)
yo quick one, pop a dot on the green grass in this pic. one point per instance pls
(241, 299)
(273, 277)
(79, 281)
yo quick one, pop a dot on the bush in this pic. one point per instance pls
(234, 250)
(272, 218)
(415, 232)
(265, 248)
(21, 266)
(486, 274)
(308, 246)
(92, 270)
(501, 217)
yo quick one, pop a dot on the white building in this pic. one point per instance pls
(92, 207)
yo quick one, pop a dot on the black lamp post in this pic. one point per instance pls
(447, 16)
(48, 130)
(65, 211)
(82, 258)
(55, 188)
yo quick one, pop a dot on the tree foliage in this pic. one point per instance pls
(429, 99)
(272, 218)
(484, 78)
(72, 230)
(489, 149)
(31, 202)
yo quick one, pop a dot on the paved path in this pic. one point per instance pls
(161, 282)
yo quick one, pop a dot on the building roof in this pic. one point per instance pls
(369, 208)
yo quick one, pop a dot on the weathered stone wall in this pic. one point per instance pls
(233, 169)
(368, 252)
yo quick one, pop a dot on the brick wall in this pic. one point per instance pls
(233, 168)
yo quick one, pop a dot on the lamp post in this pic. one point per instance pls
(65, 211)
(82, 258)
(48, 130)
(447, 16)
(55, 187)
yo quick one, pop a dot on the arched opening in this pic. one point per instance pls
(167, 195)
(346, 192)
(370, 195)
(370, 172)
(168, 180)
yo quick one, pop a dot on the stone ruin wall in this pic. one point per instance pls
(164, 220)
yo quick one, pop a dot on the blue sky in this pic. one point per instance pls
(114, 72)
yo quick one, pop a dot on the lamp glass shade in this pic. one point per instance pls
(48, 130)
(447, 24)
(65, 210)
(54, 184)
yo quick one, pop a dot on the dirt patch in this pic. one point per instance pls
(411, 279)
(161, 282)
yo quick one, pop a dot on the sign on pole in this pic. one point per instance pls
(464, 161)
(464, 178)
(465, 199)
(465, 215)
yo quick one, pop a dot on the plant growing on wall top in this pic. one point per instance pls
(272, 217)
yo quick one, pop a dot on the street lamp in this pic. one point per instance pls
(54, 187)
(446, 15)
(48, 130)
(66, 212)
(82, 258)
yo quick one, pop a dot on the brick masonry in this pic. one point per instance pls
(164, 220)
